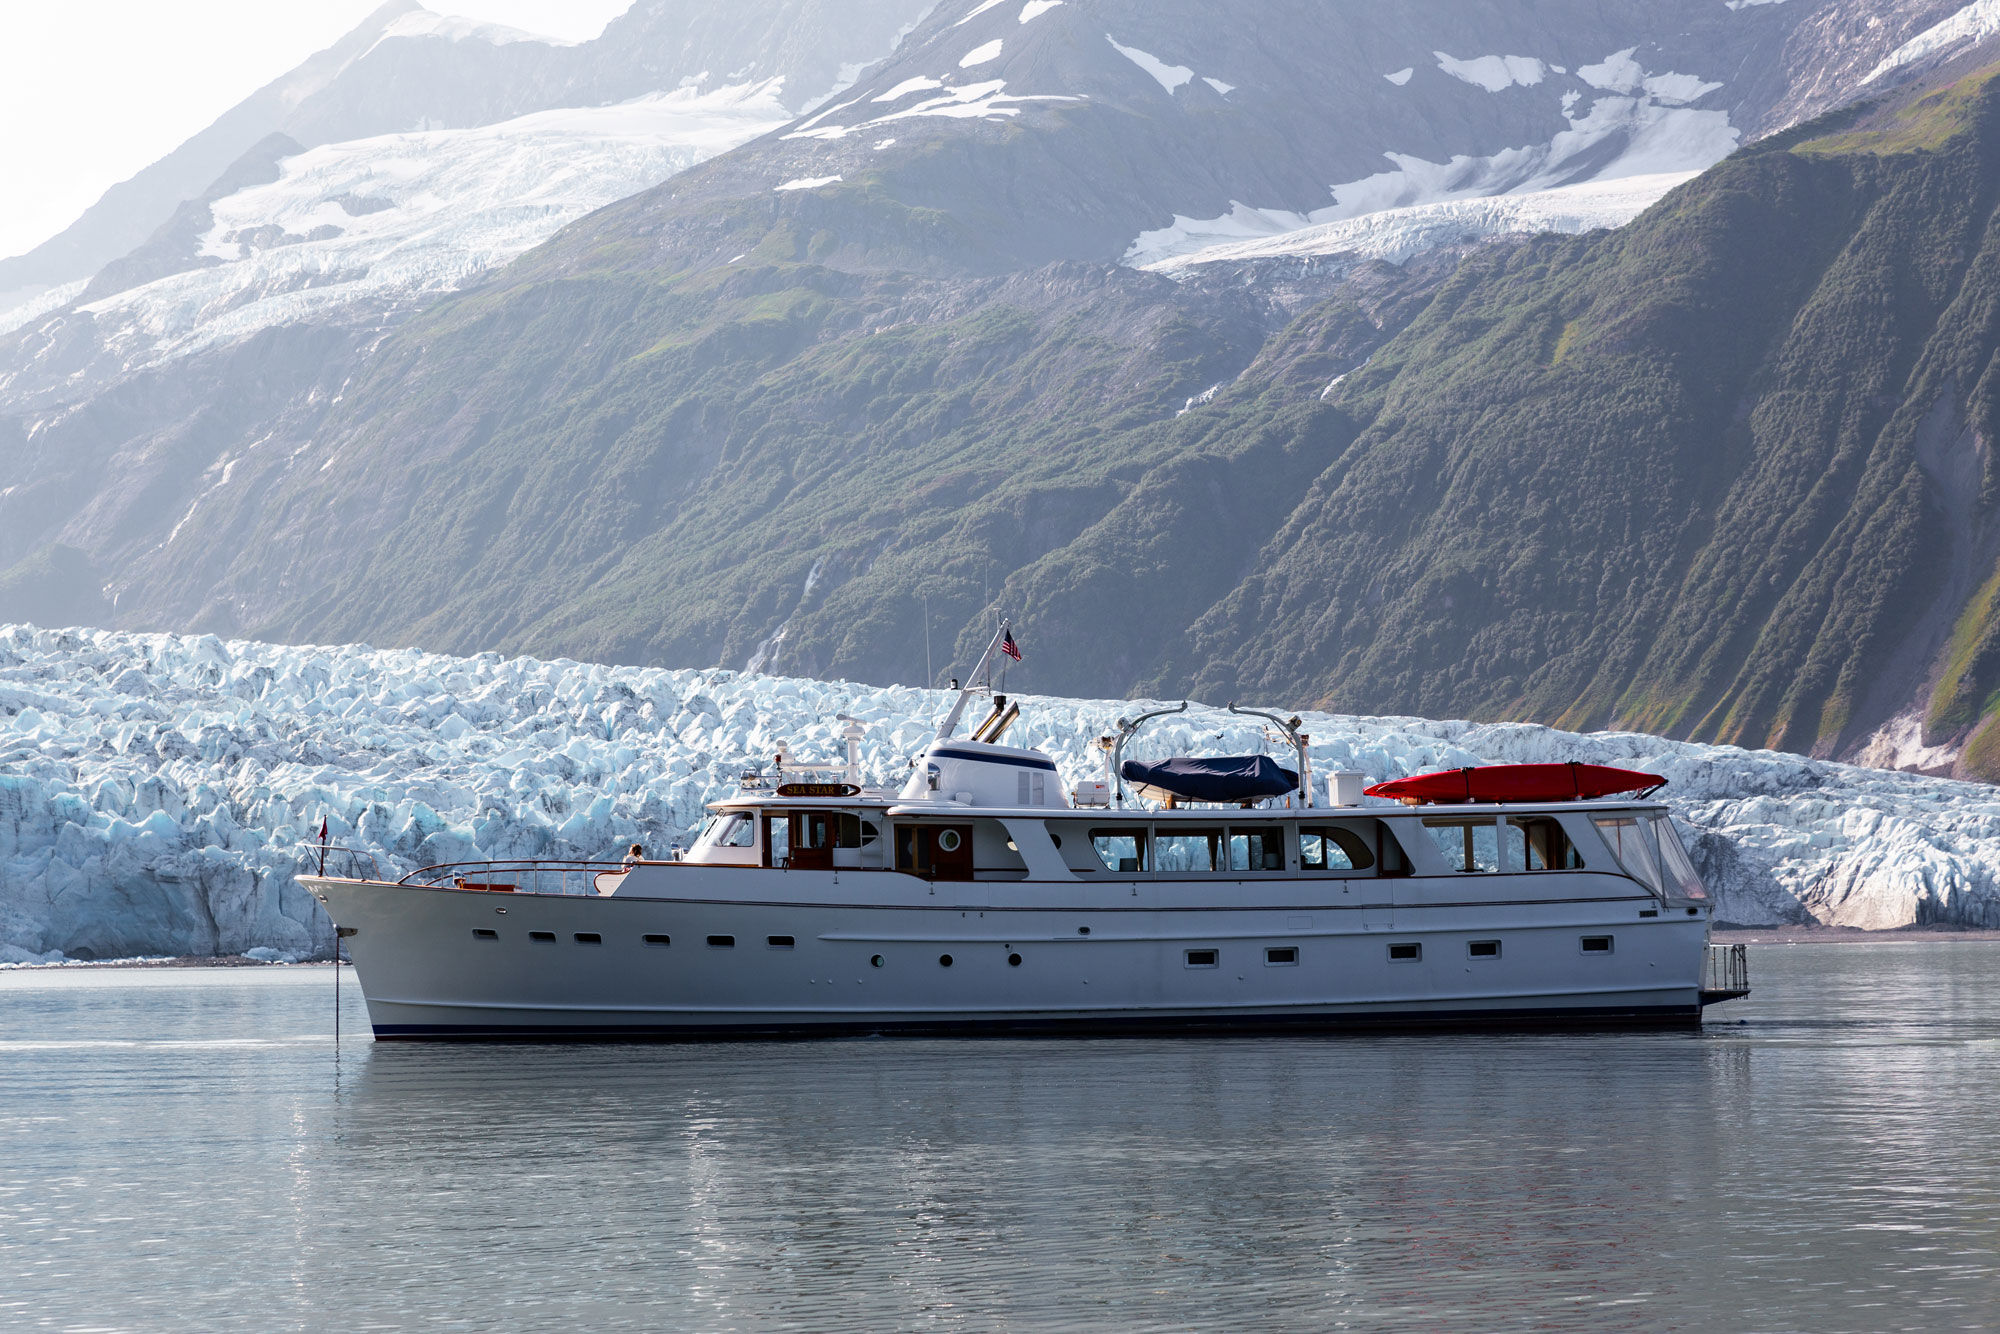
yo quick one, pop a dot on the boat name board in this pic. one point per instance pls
(817, 790)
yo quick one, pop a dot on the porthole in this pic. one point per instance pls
(1083, 931)
(1013, 961)
(722, 942)
(1483, 949)
(948, 840)
(1281, 954)
(1201, 958)
(1596, 944)
(484, 933)
(658, 942)
(1406, 953)
(589, 938)
(944, 961)
(778, 942)
(542, 937)
(876, 961)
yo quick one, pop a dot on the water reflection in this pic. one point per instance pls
(190, 1151)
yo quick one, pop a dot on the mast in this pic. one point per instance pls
(950, 723)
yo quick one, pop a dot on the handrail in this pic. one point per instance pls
(352, 854)
(537, 871)
(1726, 971)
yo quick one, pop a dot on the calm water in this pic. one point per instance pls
(187, 1149)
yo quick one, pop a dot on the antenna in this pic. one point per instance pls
(950, 723)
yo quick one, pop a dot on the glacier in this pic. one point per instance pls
(365, 223)
(158, 792)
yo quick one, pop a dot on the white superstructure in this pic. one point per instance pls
(977, 897)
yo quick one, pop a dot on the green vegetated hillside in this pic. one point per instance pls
(1723, 473)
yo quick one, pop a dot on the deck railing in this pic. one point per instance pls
(339, 862)
(1726, 972)
(516, 877)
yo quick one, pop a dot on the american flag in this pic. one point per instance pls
(1009, 647)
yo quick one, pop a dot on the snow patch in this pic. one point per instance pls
(1167, 76)
(1493, 73)
(806, 183)
(1225, 89)
(981, 54)
(424, 23)
(1617, 72)
(1401, 76)
(920, 84)
(1658, 143)
(1974, 23)
(1394, 235)
(983, 6)
(1034, 9)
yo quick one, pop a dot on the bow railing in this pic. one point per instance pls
(515, 877)
(341, 863)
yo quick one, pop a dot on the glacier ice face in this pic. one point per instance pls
(157, 791)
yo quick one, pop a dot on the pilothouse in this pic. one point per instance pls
(1193, 893)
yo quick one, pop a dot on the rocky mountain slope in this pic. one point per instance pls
(960, 337)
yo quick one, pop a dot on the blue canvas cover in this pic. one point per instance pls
(1217, 778)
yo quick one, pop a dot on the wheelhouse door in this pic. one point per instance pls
(936, 852)
(812, 840)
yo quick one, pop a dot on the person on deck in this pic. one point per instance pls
(634, 857)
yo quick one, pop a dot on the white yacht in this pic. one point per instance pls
(980, 897)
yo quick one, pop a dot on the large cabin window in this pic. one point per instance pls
(1258, 849)
(1468, 843)
(1324, 848)
(1538, 843)
(1187, 850)
(1631, 840)
(1682, 882)
(1120, 849)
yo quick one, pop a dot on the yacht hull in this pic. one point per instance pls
(688, 952)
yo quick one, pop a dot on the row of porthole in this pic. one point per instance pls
(650, 941)
(1275, 956)
(1408, 951)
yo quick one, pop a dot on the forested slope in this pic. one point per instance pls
(1724, 473)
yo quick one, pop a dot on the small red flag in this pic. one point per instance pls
(1009, 647)
(322, 829)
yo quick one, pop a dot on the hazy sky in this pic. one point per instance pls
(93, 90)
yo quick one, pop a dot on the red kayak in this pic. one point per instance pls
(1518, 782)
